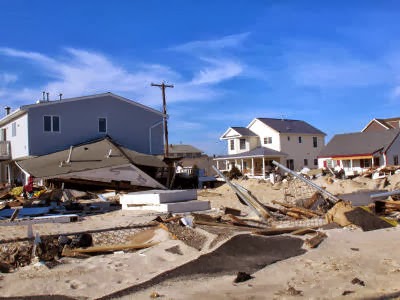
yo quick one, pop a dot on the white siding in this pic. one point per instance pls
(304, 150)
(393, 150)
(263, 131)
(19, 142)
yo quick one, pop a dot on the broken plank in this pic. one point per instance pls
(107, 248)
(305, 211)
(316, 240)
(277, 231)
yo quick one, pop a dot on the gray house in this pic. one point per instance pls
(49, 126)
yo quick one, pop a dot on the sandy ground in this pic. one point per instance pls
(322, 273)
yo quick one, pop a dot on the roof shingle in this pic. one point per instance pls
(359, 143)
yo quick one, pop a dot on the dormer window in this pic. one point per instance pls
(232, 144)
(242, 144)
(268, 140)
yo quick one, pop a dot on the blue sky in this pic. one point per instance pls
(335, 65)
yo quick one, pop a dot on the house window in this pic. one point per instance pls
(395, 160)
(315, 141)
(365, 163)
(305, 162)
(14, 129)
(268, 140)
(102, 125)
(290, 164)
(51, 123)
(315, 162)
(242, 144)
(300, 140)
(232, 142)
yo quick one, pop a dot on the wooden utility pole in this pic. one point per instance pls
(163, 86)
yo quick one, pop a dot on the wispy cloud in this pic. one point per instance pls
(229, 41)
(82, 72)
(219, 70)
(7, 78)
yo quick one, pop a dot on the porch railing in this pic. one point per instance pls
(5, 152)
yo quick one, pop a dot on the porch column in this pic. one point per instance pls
(372, 161)
(263, 166)
(241, 165)
(236, 163)
(252, 166)
(218, 164)
(9, 173)
(351, 164)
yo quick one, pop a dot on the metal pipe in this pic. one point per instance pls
(330, 196)
(150, 137)
(385, 194)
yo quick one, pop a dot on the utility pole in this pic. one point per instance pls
(163, 86)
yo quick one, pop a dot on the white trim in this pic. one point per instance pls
(374, 120)
(256, 119)
(27, 107)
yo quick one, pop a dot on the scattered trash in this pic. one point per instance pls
(358, 281)
(242, 276)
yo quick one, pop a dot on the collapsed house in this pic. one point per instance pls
(51, 126)
(101, 163)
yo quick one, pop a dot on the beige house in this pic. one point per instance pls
(252, 149)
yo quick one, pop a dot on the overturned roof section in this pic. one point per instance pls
(359, 143)
(180, 148)
(290, 126)
(257, 152)
(93, 155)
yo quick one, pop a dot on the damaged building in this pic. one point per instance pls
(48, 127)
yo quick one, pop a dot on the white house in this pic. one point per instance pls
(50, 126)
(294, 143)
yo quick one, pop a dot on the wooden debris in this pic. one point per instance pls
(14, 215)
(315, 240)
(301, 210)
(105, 248)
(232, 211)
(386, 206)
(277, 231)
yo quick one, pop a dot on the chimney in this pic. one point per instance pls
(7, 109)
(60, 95)
(47, 94)
(44, 95)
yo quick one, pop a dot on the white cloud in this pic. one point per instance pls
(219, 70)
(7, 78)
(229, 41)
(81, 72)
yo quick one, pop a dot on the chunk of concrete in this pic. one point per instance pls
(158, 196)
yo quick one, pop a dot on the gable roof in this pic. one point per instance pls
(386, 123)
(180, 148)
(87, 156)
(359, 143)
(25, 108)
(257, 152)
(242, 131)
(289, 126)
